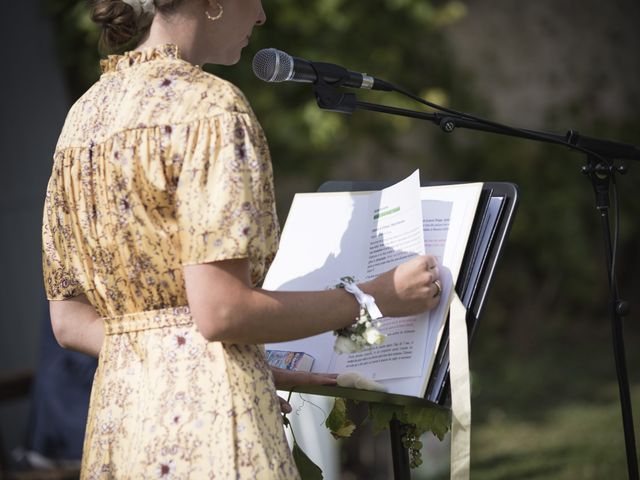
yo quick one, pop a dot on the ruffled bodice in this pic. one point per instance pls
(114, 63)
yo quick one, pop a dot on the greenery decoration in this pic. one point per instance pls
(415, 421)
(338, 422)
(307, 469)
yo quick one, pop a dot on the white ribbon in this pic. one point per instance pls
(364, 300)
(460, 391)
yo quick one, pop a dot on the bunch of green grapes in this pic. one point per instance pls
(411, 441)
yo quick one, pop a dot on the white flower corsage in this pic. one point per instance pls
(364, 331)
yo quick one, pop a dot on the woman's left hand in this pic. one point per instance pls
(285, 379)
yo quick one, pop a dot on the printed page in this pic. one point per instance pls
(448, 213)
(416, 385)
(392, 227)
(396, 233)
(395, 237)
(401, 355)
(460, 202)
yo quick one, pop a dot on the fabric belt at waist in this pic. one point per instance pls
(147, 320)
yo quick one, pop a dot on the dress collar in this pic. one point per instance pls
(115, 63)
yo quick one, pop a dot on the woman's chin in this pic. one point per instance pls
(229, 60)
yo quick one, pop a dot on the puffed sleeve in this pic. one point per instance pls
(224, 197)
(60, 279)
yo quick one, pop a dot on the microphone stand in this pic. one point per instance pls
(599, 168)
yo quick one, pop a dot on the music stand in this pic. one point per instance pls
(490, 229)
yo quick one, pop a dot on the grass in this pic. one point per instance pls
(578, 440)
(549, 409)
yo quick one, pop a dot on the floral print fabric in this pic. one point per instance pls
(161, 165)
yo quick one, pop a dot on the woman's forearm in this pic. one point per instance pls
(266, 316)
(237, 313)
(227, 309)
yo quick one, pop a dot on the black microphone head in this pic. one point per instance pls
(272, 65)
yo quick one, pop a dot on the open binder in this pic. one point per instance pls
(493, 219)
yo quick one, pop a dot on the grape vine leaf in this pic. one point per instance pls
(307, 469)
(381, 414)
(337, 422)
(428, 419)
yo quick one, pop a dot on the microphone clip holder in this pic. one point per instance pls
(329, 98)
(327, 94)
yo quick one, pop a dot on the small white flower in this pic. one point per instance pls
(344, 345)
(367, 324)
(373, 336)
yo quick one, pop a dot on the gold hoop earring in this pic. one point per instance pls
(218, 16)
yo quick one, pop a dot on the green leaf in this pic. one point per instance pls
(344, 431)
(337, 422)
(308, 470)
(381, 414)
(338, 415)
(428, 419)
(441, 424)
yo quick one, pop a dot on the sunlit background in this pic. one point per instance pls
(544, 397)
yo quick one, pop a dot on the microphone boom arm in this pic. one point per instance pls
(330, 98)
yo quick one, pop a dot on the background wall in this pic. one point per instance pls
(33, 103)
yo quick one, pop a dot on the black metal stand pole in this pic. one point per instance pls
(601, 177)
(401, 467)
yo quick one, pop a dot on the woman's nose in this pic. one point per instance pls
(262, 18)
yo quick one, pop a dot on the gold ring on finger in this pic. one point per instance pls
(439, 287)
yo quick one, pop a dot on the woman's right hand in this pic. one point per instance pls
(408, 289)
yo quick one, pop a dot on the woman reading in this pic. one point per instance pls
(159, 224)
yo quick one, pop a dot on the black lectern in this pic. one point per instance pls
(493, 219)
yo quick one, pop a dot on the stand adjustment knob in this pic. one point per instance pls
(622, 308)
(447, 125)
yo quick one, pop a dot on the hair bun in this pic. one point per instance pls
(121, 23)
(118, 21)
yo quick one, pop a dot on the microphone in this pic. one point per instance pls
(272, 65)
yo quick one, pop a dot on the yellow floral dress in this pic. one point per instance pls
(161, 165)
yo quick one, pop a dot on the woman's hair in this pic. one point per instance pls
(120, 26)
